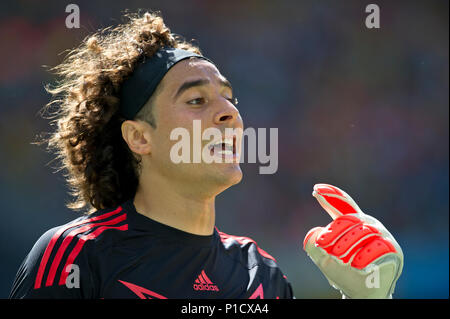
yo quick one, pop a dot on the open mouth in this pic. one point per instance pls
(224, 148)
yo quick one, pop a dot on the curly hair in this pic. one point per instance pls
(99, 167)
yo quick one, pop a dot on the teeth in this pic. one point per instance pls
(226, 152)
(228, 144)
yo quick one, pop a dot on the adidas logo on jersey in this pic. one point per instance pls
(204, 283)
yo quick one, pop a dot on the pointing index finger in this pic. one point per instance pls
(335, 201)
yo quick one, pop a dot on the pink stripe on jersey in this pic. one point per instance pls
(51, 244)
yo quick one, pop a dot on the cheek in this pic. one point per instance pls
(184, 118)
(174, 117)
(177, 117)
(167, 124)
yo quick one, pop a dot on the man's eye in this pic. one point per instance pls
(233, 101)
(197, 101)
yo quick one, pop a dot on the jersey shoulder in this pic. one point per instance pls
(248, 247)
(54, 254)
(250, 255)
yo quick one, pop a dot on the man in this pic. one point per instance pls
(150, 231)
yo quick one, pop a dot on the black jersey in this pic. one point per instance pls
(119, 253)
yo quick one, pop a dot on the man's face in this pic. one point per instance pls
(192, 90)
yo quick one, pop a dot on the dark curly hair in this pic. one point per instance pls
(99, 167)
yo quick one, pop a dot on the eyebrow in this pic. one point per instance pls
(190, 84)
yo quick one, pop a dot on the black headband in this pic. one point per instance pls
(139, 87)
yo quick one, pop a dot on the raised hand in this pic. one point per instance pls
(355, 252)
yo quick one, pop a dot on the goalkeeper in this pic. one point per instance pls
(149, 228)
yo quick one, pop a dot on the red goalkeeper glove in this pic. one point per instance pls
(355, 252)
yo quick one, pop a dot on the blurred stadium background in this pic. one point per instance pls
(365, 110)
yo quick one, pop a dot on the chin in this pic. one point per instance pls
(236, 177)
(228, 176)
(232, 175)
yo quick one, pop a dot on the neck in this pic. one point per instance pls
(162, 202)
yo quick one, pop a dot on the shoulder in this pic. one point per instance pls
(57, 250)
(251, 255)
(74, 234)
(248, 247)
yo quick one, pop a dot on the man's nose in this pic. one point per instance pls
(227, 114)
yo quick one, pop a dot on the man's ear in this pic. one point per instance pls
(137, 135)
